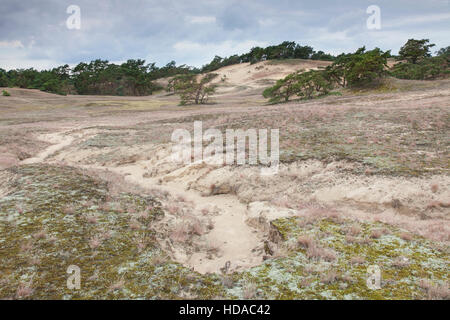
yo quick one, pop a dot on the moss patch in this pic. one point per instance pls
(402, 263)
(58, 217)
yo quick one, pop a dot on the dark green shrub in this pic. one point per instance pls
(359, 69)
(192, 90)
(283, 88)
(427, 69)
(303, 84)
(415, 50)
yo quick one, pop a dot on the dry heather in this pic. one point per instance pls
(364, 180)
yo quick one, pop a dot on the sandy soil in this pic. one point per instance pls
(237, 202)
(242, 203)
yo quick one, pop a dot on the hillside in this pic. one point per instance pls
(363, 181)
(262, 74)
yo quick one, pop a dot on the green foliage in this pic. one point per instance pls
(427, 69)
(303, 84)
(444, 51)
(420, 65)
(136, 78)
(4, 82)
(320, 55)
(284, 50)
(177, 83)
(133, 77)
(415, 50)
(171, 69)
(55, 80)
(358, 69)
(283, 88)
(367, 67)
(5, 93)
(191, 89)
(315, 82)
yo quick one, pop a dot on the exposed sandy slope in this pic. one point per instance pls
(235, 240)
(261, 74)
(240, 203)
(245, 76)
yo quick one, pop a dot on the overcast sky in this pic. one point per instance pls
(34, 33)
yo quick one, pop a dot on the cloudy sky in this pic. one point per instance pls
(34, 33)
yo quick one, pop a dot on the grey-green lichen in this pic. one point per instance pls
(44, 229)
(403, 264)
(56, 216)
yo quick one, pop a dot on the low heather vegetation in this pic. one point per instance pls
(90, 181)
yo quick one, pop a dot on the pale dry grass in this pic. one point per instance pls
(117, 285)
(249, 291)
(95, 242)
(315, 251)
(7, 183)
(357, 260)
(24, 290)
(180, 233)
(435, 291)
(329, 277)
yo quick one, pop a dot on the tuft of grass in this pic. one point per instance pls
(249, 291)
(435, 291)
(24, 290)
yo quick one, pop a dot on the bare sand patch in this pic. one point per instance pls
(239, 204)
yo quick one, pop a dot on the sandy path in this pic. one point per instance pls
(234, 238)
(58, 141)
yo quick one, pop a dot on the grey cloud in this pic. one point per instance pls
(118, 30)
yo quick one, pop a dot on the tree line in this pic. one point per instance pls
(418, 64)
(131, 78)
(135, 77)
(284, 50)
(364, 69)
